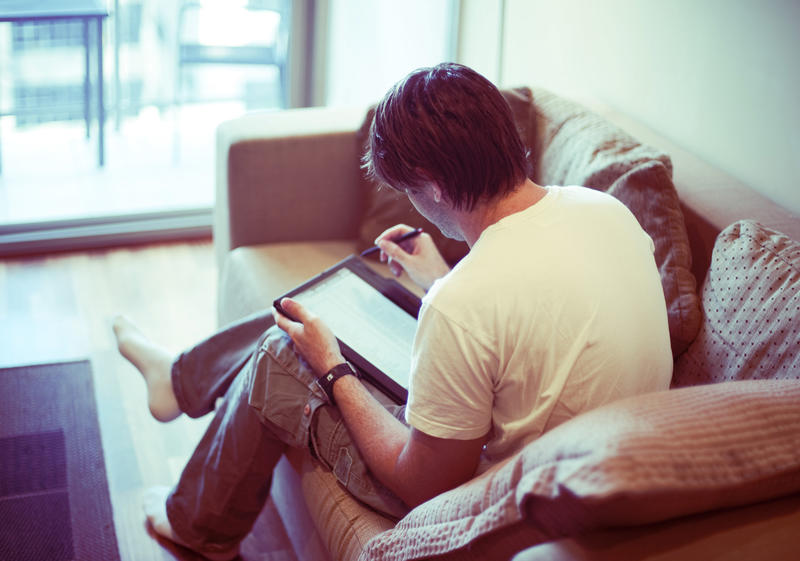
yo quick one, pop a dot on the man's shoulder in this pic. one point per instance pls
(461, 286)
(476, 273)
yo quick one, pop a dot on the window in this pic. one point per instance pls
(173, 70)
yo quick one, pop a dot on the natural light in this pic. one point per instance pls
(172, 72)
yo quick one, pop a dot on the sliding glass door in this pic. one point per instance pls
(172, 71)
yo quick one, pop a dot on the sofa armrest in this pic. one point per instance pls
(287, 176)
(764, 530)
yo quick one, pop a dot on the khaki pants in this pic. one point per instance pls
(269, 402)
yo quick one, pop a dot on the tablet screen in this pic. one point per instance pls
(365, 320)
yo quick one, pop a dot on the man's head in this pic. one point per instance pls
(447, 126)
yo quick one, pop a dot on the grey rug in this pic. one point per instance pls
(54, 500)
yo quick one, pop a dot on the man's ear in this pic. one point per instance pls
(436, 191)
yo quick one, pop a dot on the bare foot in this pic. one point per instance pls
(155, 509)
(155, 364)
(154, 503)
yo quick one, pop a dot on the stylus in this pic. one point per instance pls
(404, 237)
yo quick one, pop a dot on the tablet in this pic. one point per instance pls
(373, 317)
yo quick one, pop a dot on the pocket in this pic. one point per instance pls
(335, 448)
(282, 388)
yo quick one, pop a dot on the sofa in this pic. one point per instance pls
(707, 469)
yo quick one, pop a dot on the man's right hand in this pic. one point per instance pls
(418, 256)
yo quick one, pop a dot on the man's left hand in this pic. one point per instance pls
(313, 340)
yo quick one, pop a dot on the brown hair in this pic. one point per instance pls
(450, 125)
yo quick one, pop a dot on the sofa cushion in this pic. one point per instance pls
(751, 300)
(648, 192)
(578, 147)
(575, 146)
(253, 276)
(636, 461)
(386, 207)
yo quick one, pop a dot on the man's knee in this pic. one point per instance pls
(283, 389)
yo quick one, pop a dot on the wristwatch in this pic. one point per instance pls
(326, 381)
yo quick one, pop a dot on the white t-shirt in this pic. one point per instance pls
(556, 310)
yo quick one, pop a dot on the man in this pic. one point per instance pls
(556, 309)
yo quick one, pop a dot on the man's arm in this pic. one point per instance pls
(414, 465)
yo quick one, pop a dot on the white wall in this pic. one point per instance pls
(374, 43)
(479, 41)
(719, 77)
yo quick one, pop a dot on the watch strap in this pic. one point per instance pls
(326, 381)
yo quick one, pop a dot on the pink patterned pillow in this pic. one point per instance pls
(751, 304)
(636, 461)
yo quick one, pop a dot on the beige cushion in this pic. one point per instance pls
(636, 461)
(386, 207)
(578, 147)
(648, 192)
(751, 300)
(575, 146)
(253, 276)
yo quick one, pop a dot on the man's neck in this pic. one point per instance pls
(474, 222)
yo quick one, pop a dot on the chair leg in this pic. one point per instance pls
(176, 109)
(1, 133)
(101, 108)
(283, 80)
(87, 117)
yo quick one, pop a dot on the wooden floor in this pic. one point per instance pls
(59, 307)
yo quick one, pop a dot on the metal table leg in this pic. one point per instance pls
(86, 78)
(1, 128)
(101, 111)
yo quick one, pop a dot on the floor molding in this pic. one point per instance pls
(104, 231)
